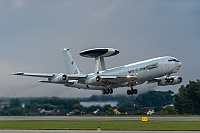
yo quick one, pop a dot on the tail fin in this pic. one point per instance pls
(71, 66)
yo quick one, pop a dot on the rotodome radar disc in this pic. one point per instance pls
(99, 52)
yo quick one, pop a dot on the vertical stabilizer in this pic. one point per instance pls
(71, 66)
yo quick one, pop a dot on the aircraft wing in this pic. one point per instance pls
(153, 81)
(49, 75)
(54, 77)
(42, 75)
(116, 79)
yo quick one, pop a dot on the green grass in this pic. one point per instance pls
(146, 115)
(105, 125)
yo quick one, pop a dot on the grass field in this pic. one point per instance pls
(104, 125)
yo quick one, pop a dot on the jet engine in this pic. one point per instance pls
(59, 78)
(172, 80)
(96, 80)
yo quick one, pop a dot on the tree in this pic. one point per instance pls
(93, 108)
(106, 108)
(170, 110)
(187, 100)
(78, 106)
(125, 107)
(15, 103)
(158, 108)
(111, 111)
(18, 111)
(155, 98)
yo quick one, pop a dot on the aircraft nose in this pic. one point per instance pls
(178, 64)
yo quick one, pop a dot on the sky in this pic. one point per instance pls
(33, 34)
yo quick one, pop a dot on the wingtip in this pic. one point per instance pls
(17, 73)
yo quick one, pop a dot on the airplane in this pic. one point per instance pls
(156, 70)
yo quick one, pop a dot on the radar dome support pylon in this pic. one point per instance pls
(96, 66)
(99, 54)
(103, 64)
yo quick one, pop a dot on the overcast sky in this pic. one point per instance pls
(34, 32)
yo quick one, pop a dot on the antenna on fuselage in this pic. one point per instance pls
(99, 54)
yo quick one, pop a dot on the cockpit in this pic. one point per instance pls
(173, 59)
(176, 62)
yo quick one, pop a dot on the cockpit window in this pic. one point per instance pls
(173, 59)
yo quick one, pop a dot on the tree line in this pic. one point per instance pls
(186, 101)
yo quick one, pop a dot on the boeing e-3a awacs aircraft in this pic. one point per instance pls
(157, 70)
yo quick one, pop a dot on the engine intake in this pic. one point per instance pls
(95, 80)
(98, 79)
(59, 78)
(64, 77)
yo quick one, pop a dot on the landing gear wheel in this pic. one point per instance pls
(111, 91)
(132, 91)
(128, 92)
(135, 91)
(107, 91)
(104, 91)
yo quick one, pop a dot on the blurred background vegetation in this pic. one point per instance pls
(186, 101)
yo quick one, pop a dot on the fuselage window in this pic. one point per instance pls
(152, 66)
(172, 59)
(131, 71)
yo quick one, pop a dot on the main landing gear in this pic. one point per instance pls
(107, 91)
(132, 91)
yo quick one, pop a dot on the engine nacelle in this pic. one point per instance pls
(96, 80)
(172, 80)
(59, 78)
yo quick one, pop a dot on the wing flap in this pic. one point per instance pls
(47, 81)
(76, 76)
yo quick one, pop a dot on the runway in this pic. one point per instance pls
(89, 131)
(97, 118)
